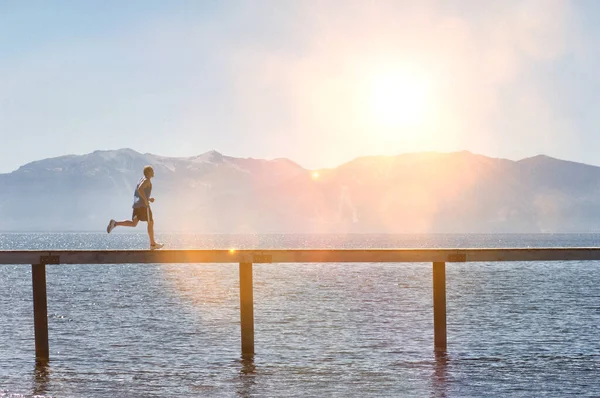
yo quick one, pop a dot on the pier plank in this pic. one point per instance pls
(297, 256)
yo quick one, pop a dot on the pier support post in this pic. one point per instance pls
(439, 306)
(246, 309)
(40, 312)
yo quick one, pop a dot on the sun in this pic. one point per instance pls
(398, 99)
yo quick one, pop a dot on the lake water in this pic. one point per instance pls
(321, 330)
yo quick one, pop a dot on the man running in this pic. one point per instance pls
(141, 208)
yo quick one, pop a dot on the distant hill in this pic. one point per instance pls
(408, 193)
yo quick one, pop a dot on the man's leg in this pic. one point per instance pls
(151, 232)
(150, 220)
(127, 223)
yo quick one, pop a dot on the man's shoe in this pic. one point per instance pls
(111, 225)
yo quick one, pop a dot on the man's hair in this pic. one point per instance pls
(147, 171)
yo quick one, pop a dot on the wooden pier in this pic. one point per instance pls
(246, 259)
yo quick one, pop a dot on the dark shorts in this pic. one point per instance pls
(142, 213)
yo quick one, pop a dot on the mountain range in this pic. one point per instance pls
(428, 192)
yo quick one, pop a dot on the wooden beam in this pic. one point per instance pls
(297, 256)
(40, 312)
(439, 306)
(247, 309)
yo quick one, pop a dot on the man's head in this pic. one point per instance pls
(148, 172)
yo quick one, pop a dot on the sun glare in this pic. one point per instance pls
(398, 99)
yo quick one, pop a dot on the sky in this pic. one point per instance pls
(320, 82)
